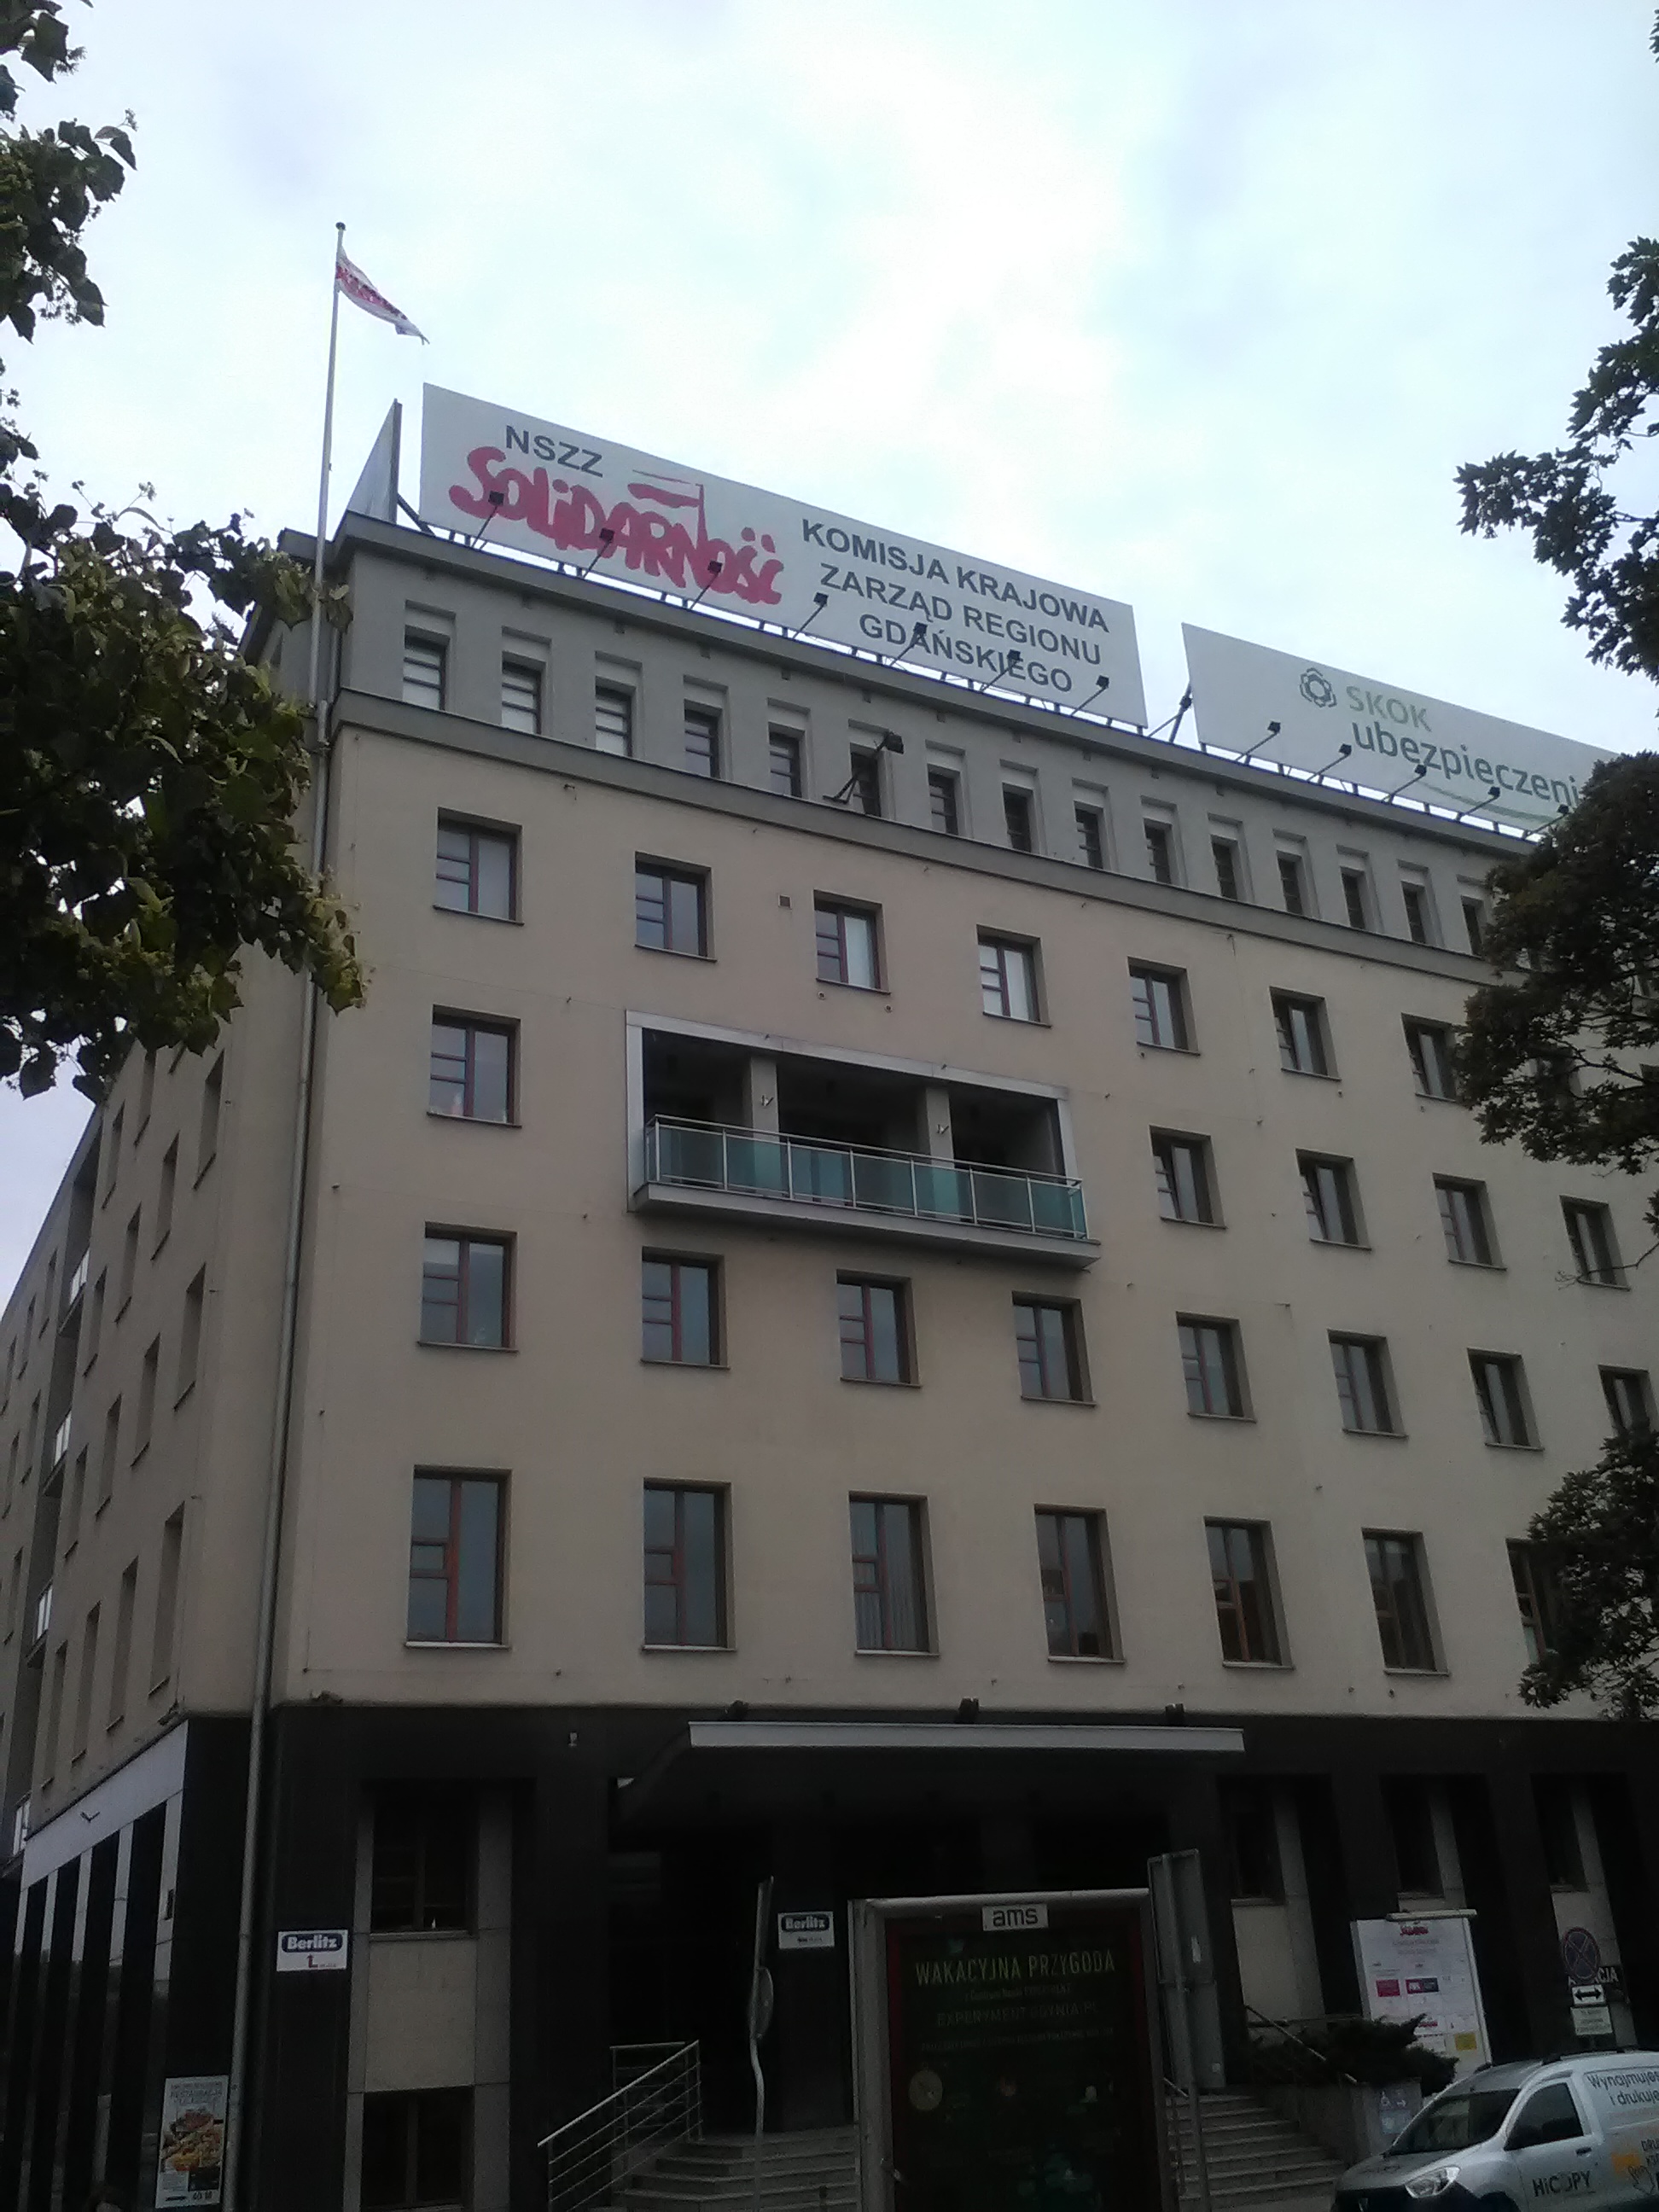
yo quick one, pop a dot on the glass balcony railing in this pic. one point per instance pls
(753, 1163)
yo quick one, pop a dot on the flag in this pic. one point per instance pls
(350, 279)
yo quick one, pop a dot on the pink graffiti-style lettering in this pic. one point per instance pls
(651, 543)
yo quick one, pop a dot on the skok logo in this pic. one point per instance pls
(1317, 689)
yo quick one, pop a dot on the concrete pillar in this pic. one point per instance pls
(1195, 1825)
(807, 2056)
(760, 1092)
(938, 1141)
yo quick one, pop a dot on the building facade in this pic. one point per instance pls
(894, 1295)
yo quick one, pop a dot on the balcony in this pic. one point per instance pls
(744, 1173)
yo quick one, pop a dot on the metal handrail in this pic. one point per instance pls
(1283, 2028)
(591, 2156)
(865, 1178)
(1174, 2088)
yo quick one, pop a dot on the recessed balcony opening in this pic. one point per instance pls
(1004, 1129)
(864, 1106)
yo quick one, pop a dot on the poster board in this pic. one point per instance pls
(1410, 1966)
(191, 2163)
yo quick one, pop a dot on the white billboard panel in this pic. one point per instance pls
(1379, 736)
(547, 490)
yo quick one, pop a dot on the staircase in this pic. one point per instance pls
(814, 2171)
(1255, 2158)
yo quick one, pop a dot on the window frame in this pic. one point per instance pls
(1377, 1381)
(1517, 1404)
(707, 725)
(838, 912)
(668, 874)
(1358, 906)
(1000, 948)
(1090, 823)
(1409, 1544)
(1144, 977)
(676, 1580)
(1072, 1363)
(915, 1511)
(1417, 898)
(457, 1479)
(945, 801)
(1293, 882)
(1448, 1190)
(1642, 1380)
(787, 747)
(413, 2101)
(1589, 1221)
(1258, 1538)
(1203, 1178)
(1159, 838)
(477, 834)
(438, 647)
(531, 674)
(903, 1330)
(620, 700)
(416, 1803)
(1535, 1597)
(864, 779)
(1311, 1167)
(678, 1263)
(1440, 1036)
(467, 1241)
(1287, 1007)
(473, 1025)
(1096, 1561)
(1231, 872)
(1020, 818)
(1195, 1368)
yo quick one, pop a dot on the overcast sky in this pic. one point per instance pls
(1194, 303)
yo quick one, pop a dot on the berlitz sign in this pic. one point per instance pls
(313, 1950)
(559, 493)
(1378, 736)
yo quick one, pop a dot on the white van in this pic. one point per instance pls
(1533, 2133)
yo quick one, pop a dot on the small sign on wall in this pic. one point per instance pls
(313, 1950)
(999, 1919)
(806, 1931)
(190, 2164)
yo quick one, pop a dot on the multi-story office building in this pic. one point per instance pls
(954, 1338)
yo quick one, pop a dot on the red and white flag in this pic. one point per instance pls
(350, 279)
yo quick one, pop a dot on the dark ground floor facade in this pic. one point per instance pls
(524, 1890)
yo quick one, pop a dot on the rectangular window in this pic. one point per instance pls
(1046, 1335)
(1630, 1400)
(1463, 1221)
(1300, 1023)
(1356, 898)
(1159, 997)
(945, 801)
(679, 1311)
(1075, 1611)
(1402, 1614)
(1590, 1232)
(87, 1683)
(94, 1327)
(1328, 1197)
(129, 1261)
(1501, 1395)
(465, 1288)
(190, 1335)
(421, 1864)
(671, 909)
(1429, 1044)
(1224, 853)
(1475, 924)
(1017, 819)
(1247, 1813)
(424, 669)
(1292, 883)
(1563, 1855)
(213, 1100)
(107, 1458)
(146, 1094)
(783, 759)
(455, 1560)
(1408, 1810)
(477, 870)
(613, 719)
(1090, 836)
(846, 940)
(121, 1659)
(866, 781)
(1243, 1594)
(166, 1599)
(417, 2149)
(887, 1603)
(684, 1567)
(521, 697)
(1210, 1365)
(1362, 1385)
(875, 1337)
(1180, 1172)
(1535, 1598)
(1160, 851)
(165, 1195)
(470, 1078)
(113, 1151)
(1416, 897)
(74, 1499)
(1007, 978)
(703, 741)
(146, 1420)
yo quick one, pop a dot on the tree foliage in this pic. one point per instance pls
(149, 775)
(1598, 1535)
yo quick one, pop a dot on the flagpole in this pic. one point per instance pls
(246, 1972)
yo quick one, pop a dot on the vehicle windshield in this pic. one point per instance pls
(1456, 2121)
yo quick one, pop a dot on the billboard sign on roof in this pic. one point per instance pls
(1378, 736)
(544, 489)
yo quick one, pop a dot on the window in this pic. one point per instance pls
(1590, 1232)
(783, 757)
(1549, 2115)
(1160, 851)
(1075, 1612)
(1416, 897)
(425, 670)
(1557, 1824)
(1007, 978)
(875, 1345)
(521, 697)
(1180, 1171)
(1017, 819)
(1356, 898)
(945, 801)
(684, 1567)
(1252, 1828)
(1244, 1598)
(1362, 1385)
(146, 1094)
(1501, 1398)
(420, 1865)
(1408, 1810)
(94, 1327)
(213, 1099)
(671, 909)
(169, 1185)
(1429, 1044)
(1292, 883)
(1475, 924)
(166, 1599)
(1224, 853)
(128, 1262)
(889, 1608)
(1159, 996)
(613, 719)
(75, 1501)
(190, 1335)
(471, 1070)
(113, 1149)
(846, 942)
(455, 1560)
(1210, 1365)
(1090, 836)
(417, 2149)
(477, 871)
(1630, 1400)
(107, 1458)
(122, 1657)
(146, 1420)
(1048, 1337)
(1328, 1196)
(866, 780)
(1402, 1617)
(1301, 1026)
(1535, 1598)
(679, 1312)
(88, 1682)
(465, 1283)
(1463, 1222)
(703, 741)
